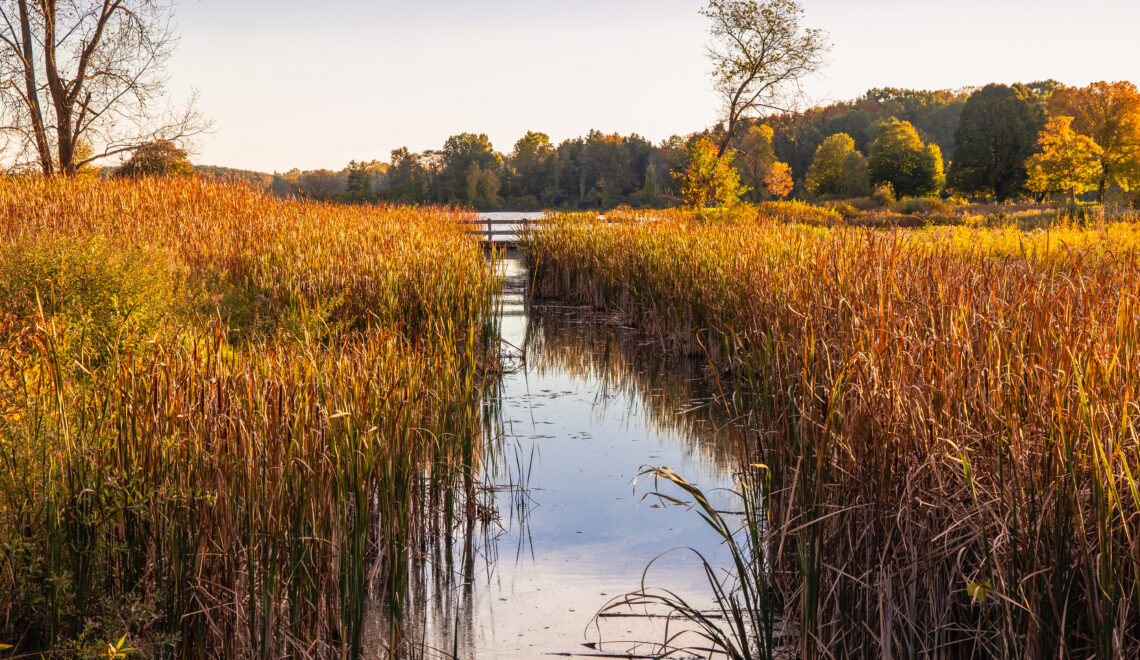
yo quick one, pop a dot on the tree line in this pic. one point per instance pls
(996, 142)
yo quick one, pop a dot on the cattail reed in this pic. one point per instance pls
(947, 416)
(227, 420)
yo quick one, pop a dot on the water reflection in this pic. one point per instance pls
(579, 411)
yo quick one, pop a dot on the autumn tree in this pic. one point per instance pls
(710, 179)
(856, 179)
(997, 133)
(761, 53)
(1109, 113)
(86, 71)
(754, 157)
(156, 159)
(321, 184)
(827, 176)
(899, 157)
(778, 181)
(1066, 162)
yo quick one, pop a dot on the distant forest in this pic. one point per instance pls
(603, 170)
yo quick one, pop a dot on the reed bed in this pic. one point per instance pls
(947, 418)
(227, 421)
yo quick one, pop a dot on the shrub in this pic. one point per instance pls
(919, 205)
(884, 195)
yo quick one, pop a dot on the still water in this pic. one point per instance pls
(580, 414)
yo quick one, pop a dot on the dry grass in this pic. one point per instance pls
(226, 420)
(948, 416)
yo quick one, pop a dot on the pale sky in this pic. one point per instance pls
(298, 83)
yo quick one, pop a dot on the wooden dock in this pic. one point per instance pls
(499, 232)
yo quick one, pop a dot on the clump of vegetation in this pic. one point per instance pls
(947, 417)
(241, 469)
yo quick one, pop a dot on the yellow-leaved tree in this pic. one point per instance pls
(1065, 162)
(710, 179)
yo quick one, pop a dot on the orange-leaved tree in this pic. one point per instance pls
(1109, 113)
(778, 181)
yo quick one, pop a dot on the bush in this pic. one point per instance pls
(93, 291)
(924, 205)
(799, 213)
(884, 195)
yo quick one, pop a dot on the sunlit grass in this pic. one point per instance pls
(226, 419)
(948, 414)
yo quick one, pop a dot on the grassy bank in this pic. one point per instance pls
(226, 420)
(947, 415)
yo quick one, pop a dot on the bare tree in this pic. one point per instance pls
(82, 80)
(761, 54)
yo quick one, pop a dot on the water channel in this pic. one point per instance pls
(581, 411)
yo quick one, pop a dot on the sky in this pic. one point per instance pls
(297, 83)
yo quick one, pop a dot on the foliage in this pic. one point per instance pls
(947, 417)
(997, 133)
(1109, 113)
(1066, 161)
(224, 473)
(754, 158)
(358, 181)
(835, 171)
(161, 158)
(710, 178)
(760, 53)
(899, 157)
(778, 182)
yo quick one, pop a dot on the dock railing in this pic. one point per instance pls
(499, 232)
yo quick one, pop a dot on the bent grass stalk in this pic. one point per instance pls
(948, 414)
(229, 445)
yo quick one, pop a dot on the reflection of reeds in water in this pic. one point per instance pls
(675, 395)
(229, 423)
(948, 416)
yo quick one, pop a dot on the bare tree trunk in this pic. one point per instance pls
(65, 141)
(728, 133)
(37, 115)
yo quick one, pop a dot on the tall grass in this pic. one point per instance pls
(948, 416)
(228, 421)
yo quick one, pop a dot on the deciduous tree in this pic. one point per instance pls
(778, 181)
(754, 157)
(899, 157)
(1066, 162)
(162, 158)
(856, 180)
(710, 179)
(530, 165)
(997, 133)
(1109, 113)
(86, 71)
(761, 53)
(825, 177)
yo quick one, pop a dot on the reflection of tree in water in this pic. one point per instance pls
(675, 394)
